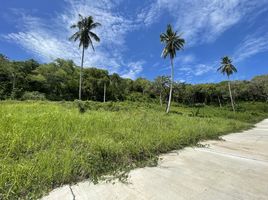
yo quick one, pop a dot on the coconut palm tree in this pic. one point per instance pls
(173, 42)
(228, 68)
(85, 36)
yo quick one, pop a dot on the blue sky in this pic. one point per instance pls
(130, 32)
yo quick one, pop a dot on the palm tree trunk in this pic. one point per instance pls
(160, 99)
(171, 85)
(81, 71)
(13, 81)
(104, 93)
(231, 97)
(219, 101)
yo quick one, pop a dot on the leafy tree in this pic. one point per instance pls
(129, 87)
(94, 83)
(117, 87)
(228, 68)
(160, 86)
(13, 77)
(218, 93)
(5, 86)
(259, 87)
(173, 42)
(85, 36)
(3, 58)
(179, 92)
(58, 80)
(142, 85)
(189, 94)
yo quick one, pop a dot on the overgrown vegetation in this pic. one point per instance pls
(173, 43)
(59, 80)
(44, 144)
(47, 144)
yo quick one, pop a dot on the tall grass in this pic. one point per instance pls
(44, 145)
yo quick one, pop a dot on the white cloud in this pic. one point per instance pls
(196, 70)
(251, 45)
(185, 59)
(181, 81)
(202, 21)
(201, 69)
(48, 39)
(133, 69)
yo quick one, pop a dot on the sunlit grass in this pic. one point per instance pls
(45, 144)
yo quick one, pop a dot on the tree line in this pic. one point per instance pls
(171, 40)
(59, 80)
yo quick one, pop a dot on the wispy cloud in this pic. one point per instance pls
(133, 69)
(196, 70)
(187, 66)
(185, 59)
(203, 21)
(200, 73)
(48, 39)
(201, 69)
(251, 45)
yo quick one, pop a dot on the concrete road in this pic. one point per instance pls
(234, 168)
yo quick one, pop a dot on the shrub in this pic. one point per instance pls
(138, 97)
(16, 93)
(81, 106)
(33, 96)
(196, 113)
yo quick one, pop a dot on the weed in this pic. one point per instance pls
(45, 144)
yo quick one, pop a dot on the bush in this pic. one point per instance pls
(196, 113)
(108, 106)
(16, 93)
(81, 106)
(33, 96)
(138, 97)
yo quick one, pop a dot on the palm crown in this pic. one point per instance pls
(84, 34)
(173, 42)
(226, 66)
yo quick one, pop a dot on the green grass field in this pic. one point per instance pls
(44, 144)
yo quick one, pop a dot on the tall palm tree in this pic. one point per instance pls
(85, 36)
(228, 68)
(173, 42)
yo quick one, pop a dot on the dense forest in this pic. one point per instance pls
(59, 80)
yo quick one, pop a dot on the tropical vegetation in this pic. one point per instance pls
(120, 123)
(228, 68)
(48, 144)
(173, 42)
(85, 35)
(59, 80)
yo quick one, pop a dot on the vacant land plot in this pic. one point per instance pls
(44, 145)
